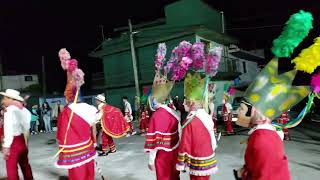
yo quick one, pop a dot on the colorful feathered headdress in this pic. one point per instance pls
(75, 76)
(230, 92)
(272, 93)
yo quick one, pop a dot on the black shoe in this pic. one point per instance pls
(99, 148)
(103, 154)
(112, 151)
(235, 173)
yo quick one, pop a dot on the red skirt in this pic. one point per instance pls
(1, 134)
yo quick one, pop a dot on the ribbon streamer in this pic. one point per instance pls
(69, 123)
(297, 120)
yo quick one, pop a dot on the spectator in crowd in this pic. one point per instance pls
(34, 119)
(128, 116)
(41, 127)
(25, 102)
(46, 115)
(56, 111)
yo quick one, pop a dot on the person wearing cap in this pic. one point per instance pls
(16, 131)
(113, 125)
(76, 133)
(162, 138)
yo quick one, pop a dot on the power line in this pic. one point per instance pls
(257, 27)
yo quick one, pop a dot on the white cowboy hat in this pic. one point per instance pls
(13, 94)
(101, 98)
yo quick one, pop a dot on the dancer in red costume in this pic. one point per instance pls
(263, 138)
(113, 125)
(283, 119)
(162, 138)
(212, 89)
(227, 114)
(144, 120)
(198, 143)
(195, 155)
(16, 132)
(270, 95)
(76, 133)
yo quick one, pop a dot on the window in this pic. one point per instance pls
(28, 78)
(244, 67)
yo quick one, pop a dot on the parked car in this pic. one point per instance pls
(235, 106)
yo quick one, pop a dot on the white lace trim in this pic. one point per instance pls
(171, 111)
(267, 127)
(206, 120)
(75, 165)
(176, 115)
(208, 172)
(158, 132)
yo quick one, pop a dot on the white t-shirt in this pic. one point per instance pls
(127, 107)
(16, 122)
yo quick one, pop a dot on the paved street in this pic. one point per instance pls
(130, 162)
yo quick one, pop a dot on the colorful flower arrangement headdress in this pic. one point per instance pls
(190, 61)
(75, 76)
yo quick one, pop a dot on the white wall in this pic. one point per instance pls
(251, 68)
(18, 81)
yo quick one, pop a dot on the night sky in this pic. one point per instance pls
(30, 29)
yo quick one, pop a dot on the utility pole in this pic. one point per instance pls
(134, 60)
(222, 22)
(102, 32)
(44, 85)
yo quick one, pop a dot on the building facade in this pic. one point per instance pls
(190, 20)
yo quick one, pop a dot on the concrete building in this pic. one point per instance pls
(190, 20)
(18, 81)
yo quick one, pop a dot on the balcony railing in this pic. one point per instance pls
(228, 64)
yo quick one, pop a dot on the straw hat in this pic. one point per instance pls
(101, 98)
(13, 94)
